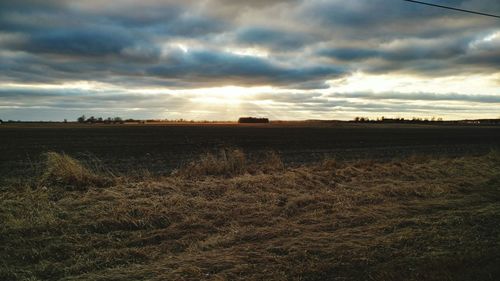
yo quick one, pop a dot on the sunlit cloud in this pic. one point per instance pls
(466, 84)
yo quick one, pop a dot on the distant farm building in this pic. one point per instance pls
(253, 120)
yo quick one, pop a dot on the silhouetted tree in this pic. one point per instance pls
(81, 119)
(91, 119)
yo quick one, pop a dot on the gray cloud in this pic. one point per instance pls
(424, 56)
(276, 39)
(195, 68)
(378, 18)
(76, 42)
(212, 65)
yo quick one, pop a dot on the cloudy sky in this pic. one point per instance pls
(220, 59)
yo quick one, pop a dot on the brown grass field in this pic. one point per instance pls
(227, 217)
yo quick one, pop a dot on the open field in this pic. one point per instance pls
(292, 201)
(225, 217)
(163, 147)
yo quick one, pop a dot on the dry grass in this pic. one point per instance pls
(63, 170)
(230, 163)
(416, 219)
(271, 163)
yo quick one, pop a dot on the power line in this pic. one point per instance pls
(455, 9)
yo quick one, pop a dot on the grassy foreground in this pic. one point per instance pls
(223, 218)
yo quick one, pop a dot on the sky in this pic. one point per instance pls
(222, 59)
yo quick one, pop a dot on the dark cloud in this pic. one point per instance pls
(276, 39)
(350, 54)
(379, 18)
(424, 56)
(203, 65)
(178, 69)
(76, 42)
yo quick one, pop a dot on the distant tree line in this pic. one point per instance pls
(397, 120)
(120, 120)
(433, 120)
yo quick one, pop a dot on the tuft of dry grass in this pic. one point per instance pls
(228, 162)
(64, 170)
(271, 163)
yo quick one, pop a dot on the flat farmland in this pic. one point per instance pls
(161, 148)
(288, 201)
